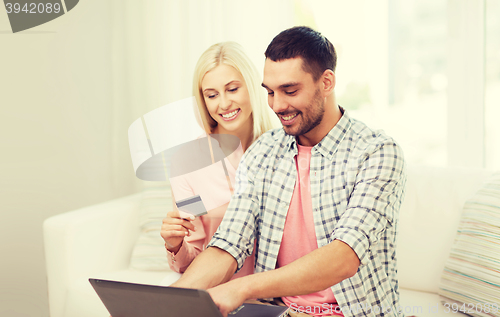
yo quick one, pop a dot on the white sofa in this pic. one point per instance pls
(97, 241)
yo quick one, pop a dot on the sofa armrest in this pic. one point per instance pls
(87, 242)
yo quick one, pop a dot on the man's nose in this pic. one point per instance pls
(279, 104)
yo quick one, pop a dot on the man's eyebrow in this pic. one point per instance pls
(283, 86)
(288, 85)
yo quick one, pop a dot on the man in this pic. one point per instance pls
(318, 199)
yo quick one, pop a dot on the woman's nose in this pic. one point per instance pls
(225, 103)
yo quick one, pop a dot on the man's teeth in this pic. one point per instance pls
(231, 114)
(290, 117)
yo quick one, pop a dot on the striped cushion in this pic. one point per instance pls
(149, 251)
(471, 277)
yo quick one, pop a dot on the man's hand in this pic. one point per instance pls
(333, 263)
(228, 296)
(175, 227)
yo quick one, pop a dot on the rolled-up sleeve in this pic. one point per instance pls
(236, 233)
(375, 200)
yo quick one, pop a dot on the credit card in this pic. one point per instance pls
(192, 205)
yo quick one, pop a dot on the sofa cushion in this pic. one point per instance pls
(423, 304)
(428, 221)
(472, 272)
(149, 250)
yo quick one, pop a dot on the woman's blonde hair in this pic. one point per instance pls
(232, 54)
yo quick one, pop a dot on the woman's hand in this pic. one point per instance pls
(175, 227)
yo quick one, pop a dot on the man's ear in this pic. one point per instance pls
(328, 81)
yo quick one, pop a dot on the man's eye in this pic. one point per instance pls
(270, 93)
(290, 92)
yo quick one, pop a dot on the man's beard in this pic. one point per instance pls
(313, 117)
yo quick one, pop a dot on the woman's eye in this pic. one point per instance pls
(212, 96)
(234, 89)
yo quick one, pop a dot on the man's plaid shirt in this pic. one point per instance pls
(357, 184)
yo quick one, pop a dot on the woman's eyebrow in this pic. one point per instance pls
(235, 81)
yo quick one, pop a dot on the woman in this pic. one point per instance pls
(230, 100)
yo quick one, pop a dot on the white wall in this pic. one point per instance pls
(70, 88)
(55, 140)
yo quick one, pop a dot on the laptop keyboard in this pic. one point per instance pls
(234, 312)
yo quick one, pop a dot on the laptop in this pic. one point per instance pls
(137, 300)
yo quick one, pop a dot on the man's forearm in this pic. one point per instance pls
(314, 272)
(210, 268)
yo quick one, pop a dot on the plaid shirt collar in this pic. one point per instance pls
(329, 144)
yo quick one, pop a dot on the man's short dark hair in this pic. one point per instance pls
(316, 51)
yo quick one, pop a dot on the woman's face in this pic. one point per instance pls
(227, 99)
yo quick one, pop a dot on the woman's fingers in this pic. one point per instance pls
(174, 231)
(173, 236)
(170, 220)
(180, 214)
(185, 215)
(174, 228)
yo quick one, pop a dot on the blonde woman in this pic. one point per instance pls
(231, 101)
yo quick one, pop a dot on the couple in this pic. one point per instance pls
(316, 202)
